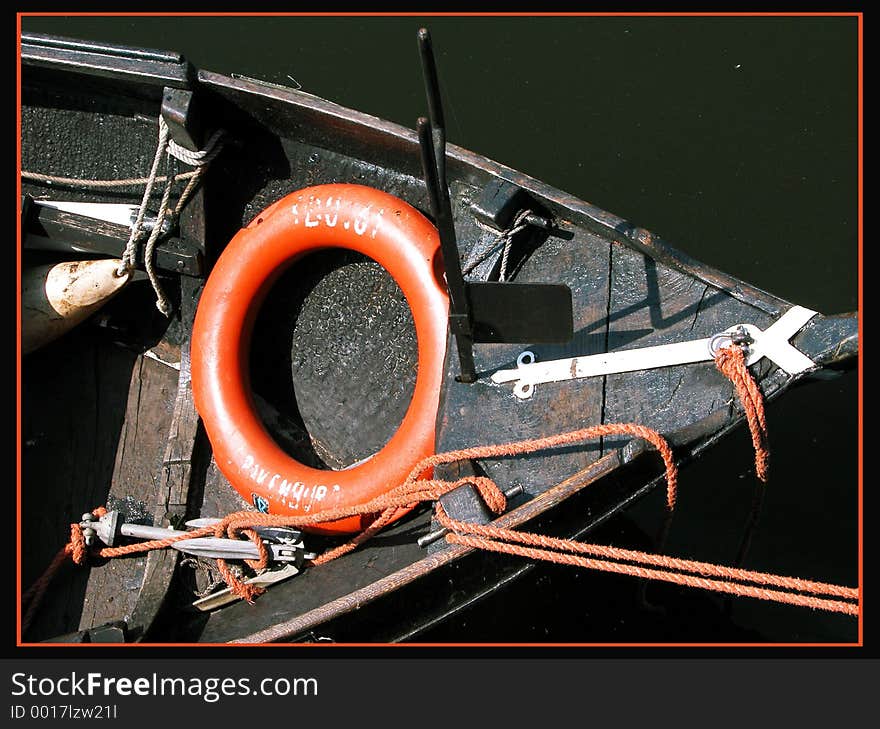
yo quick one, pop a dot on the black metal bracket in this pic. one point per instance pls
(181, 116)
(481, 311)
(499, 203)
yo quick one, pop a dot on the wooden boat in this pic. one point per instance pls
(111, 402)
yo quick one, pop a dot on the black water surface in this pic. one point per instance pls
(733, 138)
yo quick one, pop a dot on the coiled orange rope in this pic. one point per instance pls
(730, 361)
(412, 491)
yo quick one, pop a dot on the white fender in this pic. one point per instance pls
(55, 298)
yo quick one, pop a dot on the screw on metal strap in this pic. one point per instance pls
(739, 337)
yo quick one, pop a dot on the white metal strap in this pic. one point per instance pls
(771, 343)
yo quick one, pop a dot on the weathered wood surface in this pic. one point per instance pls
(138, 463)
(106, 404)
(484, 413)
(652, 304)
(74, 395)
(84, 397)
(173, 479)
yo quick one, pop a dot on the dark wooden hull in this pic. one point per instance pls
(124, 423)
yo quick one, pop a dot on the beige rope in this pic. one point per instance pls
(99, 184)
(166, 146)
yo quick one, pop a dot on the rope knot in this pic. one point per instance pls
(505, 238)
(201, 157)
(231, 526)
(165, 146)
(490, 493)
(238, 587)
(77, 546)
(730, 360)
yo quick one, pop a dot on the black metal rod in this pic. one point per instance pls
(435, 102)
(438, 197)
(432, 140)
(429, 73)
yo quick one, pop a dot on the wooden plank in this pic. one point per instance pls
(170, 503)
(170, 506)
(138, 460)
(93, 409)
(148, 478)
(73, 404)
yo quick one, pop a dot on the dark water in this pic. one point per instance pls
(734, 139)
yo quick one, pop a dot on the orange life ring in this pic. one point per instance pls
(359, 218)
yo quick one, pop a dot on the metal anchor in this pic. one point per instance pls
(284, 545)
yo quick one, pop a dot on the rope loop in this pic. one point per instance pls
(202, 157)
(505, 238)
(731, 362)
(491, 494)
(519, 224)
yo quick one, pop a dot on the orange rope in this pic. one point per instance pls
(849, 608)
(412, 491)
(552, 441)
(415, 490)
(76, 550)
(707, 569)
(730, 361)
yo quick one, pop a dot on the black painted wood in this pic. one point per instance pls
(487, 413)
(652, 304)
